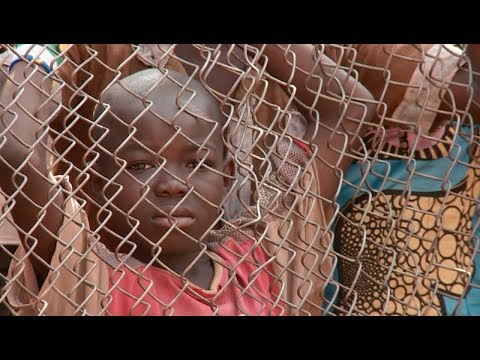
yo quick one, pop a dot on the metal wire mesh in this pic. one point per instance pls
(233, 179)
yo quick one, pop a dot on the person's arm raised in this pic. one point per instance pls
(466, 96)
(335, 104)
(26, 108)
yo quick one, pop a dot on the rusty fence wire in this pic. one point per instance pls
(239, 179)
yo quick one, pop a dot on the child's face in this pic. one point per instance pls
(148, 187)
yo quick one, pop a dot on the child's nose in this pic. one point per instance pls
(169, 185)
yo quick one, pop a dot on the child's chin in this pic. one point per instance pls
(178, 244)
(182, 222)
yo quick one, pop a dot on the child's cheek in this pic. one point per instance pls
(211, 187)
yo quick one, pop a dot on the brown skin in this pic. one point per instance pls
(327, 108)
(380, 56)
(104, 67)
(77, 72)
(217, 77)
(222, 80)
(169, 177)
(13, 153)
(462, 94)
(178, 250)
(330, 144)
(401, 67)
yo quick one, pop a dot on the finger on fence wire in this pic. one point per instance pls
(239, 179)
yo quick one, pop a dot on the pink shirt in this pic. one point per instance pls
(238, 287)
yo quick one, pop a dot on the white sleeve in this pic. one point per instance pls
(40, 54)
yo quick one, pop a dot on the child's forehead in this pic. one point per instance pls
(184, 130)
(168, 100)
(168, 105)
(188, 121)
(161, 117)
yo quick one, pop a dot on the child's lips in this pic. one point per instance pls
(168, 222)
(181, 219)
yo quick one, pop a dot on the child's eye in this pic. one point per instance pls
(194, 164)
(140, 166)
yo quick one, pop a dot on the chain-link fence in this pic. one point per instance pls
(164, 179)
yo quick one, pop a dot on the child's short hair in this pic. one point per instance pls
(149, 84)
(155, 90)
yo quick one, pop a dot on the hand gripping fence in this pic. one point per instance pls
(239, 179)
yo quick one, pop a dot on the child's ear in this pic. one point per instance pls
(229, 170)
(95, 187)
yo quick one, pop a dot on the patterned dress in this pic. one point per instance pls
(407, 236)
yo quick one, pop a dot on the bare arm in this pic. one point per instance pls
(473, 53)
(463, 95)
(465, 89)
(338, 124)
(216, 74)
(24, 113)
